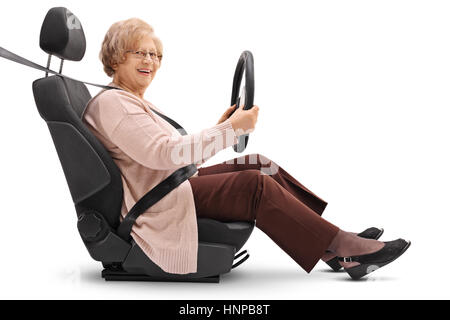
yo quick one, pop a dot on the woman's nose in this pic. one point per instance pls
(147, 58)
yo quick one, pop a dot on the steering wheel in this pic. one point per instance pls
(243, 95)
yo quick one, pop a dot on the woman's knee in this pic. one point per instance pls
(257, 158)
(250, 175)
(255, 181)
(251, 180)
(267, 166)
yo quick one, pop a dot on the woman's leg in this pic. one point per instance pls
(250, 195)
(269, 167)
(299, 231)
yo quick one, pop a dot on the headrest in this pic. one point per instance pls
(62, 35)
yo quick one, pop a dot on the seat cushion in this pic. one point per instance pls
(231, 233)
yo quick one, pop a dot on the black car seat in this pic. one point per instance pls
(94, 179)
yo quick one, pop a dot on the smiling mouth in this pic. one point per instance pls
(144, 72)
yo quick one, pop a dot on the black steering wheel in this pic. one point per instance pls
(243, 95)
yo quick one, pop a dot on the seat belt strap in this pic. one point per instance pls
(155, 194)
(152, 197)
(172, 122)
(14, 57)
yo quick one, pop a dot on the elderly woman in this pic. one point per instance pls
(147, 149)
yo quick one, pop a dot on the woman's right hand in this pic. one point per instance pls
(244, 121)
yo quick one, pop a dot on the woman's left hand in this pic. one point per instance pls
(227, 114)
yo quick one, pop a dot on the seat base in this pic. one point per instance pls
(120, 275)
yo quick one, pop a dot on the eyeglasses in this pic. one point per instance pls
(143, 54)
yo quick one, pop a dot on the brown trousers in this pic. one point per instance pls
(254, 188)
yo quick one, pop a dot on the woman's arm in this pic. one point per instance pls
(139, 135)
(141, 138)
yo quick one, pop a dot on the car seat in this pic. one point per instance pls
(94, 180)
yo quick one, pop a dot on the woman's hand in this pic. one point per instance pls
(244, 121)
(227, 114)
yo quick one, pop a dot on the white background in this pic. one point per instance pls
(354, 99)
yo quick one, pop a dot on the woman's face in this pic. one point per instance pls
(137, 72)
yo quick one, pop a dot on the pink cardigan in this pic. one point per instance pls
(147, 149)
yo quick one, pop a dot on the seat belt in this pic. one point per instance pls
(152, 196)
(14, 57)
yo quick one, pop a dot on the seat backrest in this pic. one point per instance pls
(92, 176)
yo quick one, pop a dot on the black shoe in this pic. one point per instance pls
(373, 261)
(371, 233)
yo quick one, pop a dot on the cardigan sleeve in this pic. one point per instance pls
(139, 135)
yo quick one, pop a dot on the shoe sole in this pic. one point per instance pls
(379, 234)
(362, 270)
(334, 263)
